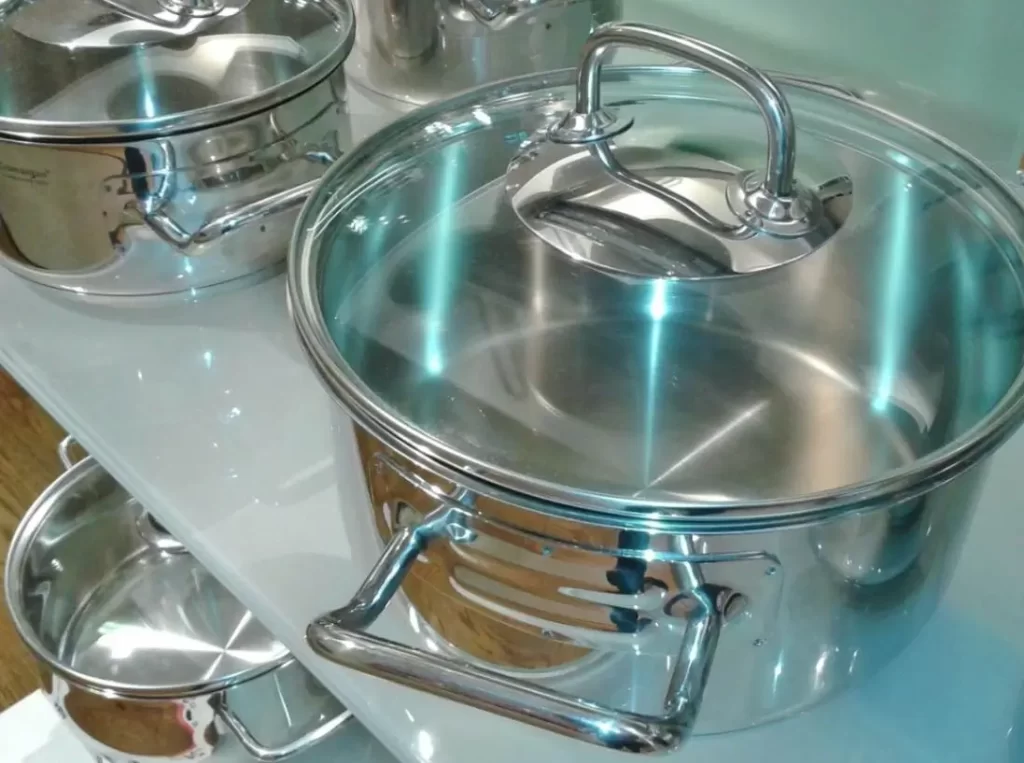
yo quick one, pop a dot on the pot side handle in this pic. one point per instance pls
(164, 226)
(268, 754)
(339, 637)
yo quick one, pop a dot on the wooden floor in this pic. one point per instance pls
(28, 463)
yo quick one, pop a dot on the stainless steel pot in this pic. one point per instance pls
(658, 443)
(146, 654)
(144, 150)
(418, 51)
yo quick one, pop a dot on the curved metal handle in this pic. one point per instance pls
(173, 233)
(270, 754)
(338, 637)
(778, 117)
(67, 460)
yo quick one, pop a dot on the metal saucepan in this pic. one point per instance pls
(140, 647)
(664, 433)
(417, 51)
(149, 148)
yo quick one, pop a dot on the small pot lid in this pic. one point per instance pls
(665, 321)
(103, 595)
(117, 68)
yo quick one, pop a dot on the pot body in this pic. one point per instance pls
(806, 611)
(418, 51)
(125, 730)
(166, 214)
(139, 647)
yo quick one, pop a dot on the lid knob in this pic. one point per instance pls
(542, 179)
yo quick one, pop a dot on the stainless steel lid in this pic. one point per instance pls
(105, 597)
(112, 68)
(880, 352)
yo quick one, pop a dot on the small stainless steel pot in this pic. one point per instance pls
(658, 443)
(145, 653)
(145, 149)
(418, 51)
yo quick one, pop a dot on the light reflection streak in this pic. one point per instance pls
(438, 279)
(657, 309)
(424, 745)
(121, 641)
(710, 442)
(896, 290)
(819, 670)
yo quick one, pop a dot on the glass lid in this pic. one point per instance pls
(635, 337)
(108, 68)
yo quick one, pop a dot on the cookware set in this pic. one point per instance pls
(673, 385)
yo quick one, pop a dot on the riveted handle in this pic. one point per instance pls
(340, 637)
(186, 242)
(267, 753)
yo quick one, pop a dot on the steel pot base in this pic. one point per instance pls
(796, 629)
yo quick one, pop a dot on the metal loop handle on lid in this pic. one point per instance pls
(774, 203)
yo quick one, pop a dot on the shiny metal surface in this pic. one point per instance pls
(339, 637)
(572, 189)
(417, 51)
(171, 214)
(134, 634)
(81, 72)
(504, 588)
(881, 366)
(610, 446)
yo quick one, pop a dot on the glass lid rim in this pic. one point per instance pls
(371, 412)
(38, 514)
(27, 130)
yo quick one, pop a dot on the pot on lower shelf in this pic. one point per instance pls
(147, 655)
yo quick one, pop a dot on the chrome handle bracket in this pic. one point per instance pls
(168, 229)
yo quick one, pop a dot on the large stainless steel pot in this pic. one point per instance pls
(659, 443)
(147, 148)
(140, 647)
(418, 51)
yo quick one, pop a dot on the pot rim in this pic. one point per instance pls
(926, 473)
(35, 518)
(21, 130)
